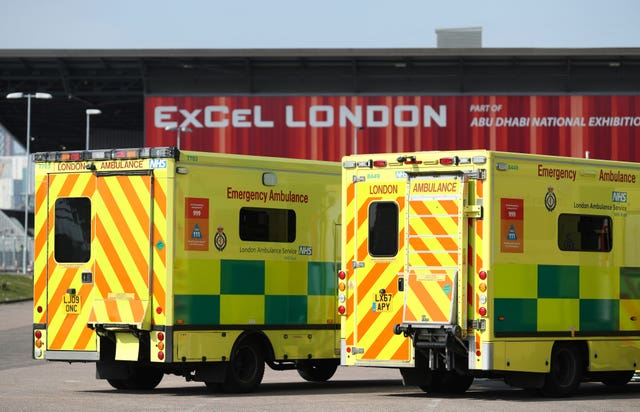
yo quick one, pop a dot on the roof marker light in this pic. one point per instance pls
(70, 156)
(449, 161)
(380, 163)
(125, 154)
(350, 164)
(479, 160)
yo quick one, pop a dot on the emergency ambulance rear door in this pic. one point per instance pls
(100, 272)
(69, 229)
(123, 250)
(435, 262)
(376, 246)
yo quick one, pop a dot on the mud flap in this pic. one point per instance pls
(127, 346)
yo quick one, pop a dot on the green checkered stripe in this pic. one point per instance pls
(252, 292)
(565, 299)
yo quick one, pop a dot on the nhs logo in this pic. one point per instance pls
(158, 163)
(620, 197)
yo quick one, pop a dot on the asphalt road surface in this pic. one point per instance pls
(28, 385)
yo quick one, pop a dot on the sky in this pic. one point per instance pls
(274, 24)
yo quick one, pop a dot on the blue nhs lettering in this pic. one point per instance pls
(619, 197)
(158, 163)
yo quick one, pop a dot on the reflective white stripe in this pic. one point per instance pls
(487, 356)
(64, 355)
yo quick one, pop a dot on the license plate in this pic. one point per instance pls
(382, 302)
(72, 303)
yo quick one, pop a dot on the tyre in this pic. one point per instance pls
(450, 382)
(245, 369)
(141, 378)
(567, 368)
(320, 370)
(454, 382)
(119, 384)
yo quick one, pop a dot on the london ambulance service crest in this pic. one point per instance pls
(220, 239)
(550, 199)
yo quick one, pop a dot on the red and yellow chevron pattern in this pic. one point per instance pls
(373, 334)
(128, 257)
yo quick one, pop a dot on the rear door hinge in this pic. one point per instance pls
(357, 265)
(473, 211)
(478, 324)
(357, 179)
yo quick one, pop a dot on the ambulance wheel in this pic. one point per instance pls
(619, 378)
(140, 378)
(144, 378)
(567, 368)
(454, 382)
(119, 384)
(246, 368)
(451, 382)
(317, 370)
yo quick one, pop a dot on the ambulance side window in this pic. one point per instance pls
(383, 229)
(584, 233)
(267, 225)
(72, 230)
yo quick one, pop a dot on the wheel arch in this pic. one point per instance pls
(259, 338)
(581, 346)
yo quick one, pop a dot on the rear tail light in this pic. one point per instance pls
(160, 345)
(38, 343)
(342, 292)
(482, 287)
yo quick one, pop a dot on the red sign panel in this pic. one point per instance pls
(512, 225)
(329, 127)
(196, 224)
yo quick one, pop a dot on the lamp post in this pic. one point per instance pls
(356, 129)
(20, 95)
(179, 129)
(90, 112)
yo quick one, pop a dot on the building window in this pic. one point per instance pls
(267, 225)
(383, 229)
(585, 233)
(72, 230)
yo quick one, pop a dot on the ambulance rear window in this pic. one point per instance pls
(584, 233)
(383, 229)
(267, 225)
(72, 230)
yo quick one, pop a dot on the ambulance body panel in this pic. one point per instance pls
(464, 264)
(155, 261)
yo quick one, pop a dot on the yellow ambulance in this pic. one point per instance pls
(475, 263)
(156, 261)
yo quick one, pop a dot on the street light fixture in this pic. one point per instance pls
(356, 129)
(90, 112)
(20, 95)
(179, 129)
